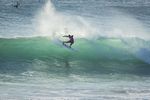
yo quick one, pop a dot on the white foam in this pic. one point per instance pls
(54, 23)
(121, 25)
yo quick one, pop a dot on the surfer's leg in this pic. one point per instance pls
(66, 42)
(70, 44)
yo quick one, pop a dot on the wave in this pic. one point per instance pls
(44, 47)
(105, 55)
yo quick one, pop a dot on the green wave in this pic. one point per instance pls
(98, 56)
(40, 47)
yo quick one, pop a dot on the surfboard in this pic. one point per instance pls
(60, 43)
(66, 46)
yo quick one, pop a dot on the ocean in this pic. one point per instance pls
(110, 59)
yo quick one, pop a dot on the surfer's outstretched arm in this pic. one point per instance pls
(66, 36)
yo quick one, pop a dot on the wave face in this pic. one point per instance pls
(104, 55)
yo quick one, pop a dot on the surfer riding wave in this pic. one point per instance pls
(71, 40)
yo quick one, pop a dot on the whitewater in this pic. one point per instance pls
(111, 60)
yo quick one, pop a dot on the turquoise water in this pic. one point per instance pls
(96, 57)
(40, 68)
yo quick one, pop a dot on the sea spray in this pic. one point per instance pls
(55, 24)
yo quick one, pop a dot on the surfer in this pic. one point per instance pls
(71, 40)
(17, 5)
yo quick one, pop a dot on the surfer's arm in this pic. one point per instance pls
(66, 36)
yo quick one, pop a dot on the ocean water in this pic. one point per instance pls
(110, 59)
